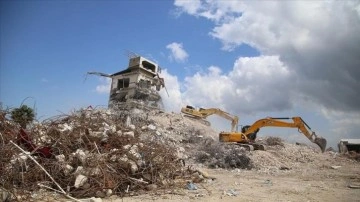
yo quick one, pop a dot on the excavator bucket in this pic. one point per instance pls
(321, 142)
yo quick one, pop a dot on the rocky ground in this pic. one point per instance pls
(149, 155)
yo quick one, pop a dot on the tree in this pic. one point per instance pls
(23, 115)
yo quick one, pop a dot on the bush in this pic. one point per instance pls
(23, 115)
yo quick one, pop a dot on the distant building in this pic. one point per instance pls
(138, 84)
(346, 145)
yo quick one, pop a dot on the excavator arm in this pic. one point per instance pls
(204, 113)
(248, 133)
(234, 119)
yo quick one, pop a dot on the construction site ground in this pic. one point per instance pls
(313, 182)
(213, 171)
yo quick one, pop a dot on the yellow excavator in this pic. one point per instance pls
(202, 114)
(248, 133)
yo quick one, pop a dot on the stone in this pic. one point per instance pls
(119, 133)
(108, 192)
(132, 127)
(93, 199)
(100, 194)
(80, 181)
(130, 134)
(67, 169)
(60, 158)
(151, 127)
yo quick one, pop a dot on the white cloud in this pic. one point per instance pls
(255, 84)
(104, 86)
(177, 52)
(172, 99)
(310, 58)
(190, 7)
(317, 40)
(345, 125)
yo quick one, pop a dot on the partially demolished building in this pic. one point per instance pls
(138, 84)
(348, 145)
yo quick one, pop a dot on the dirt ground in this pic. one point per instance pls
(315, 182)
(311, 176)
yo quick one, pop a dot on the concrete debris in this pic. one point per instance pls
(99, 152)
(354, 186)
(191, 186)
(80, 181)
(231, 192)
(128, 150)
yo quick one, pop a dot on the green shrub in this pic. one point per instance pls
(23, 115)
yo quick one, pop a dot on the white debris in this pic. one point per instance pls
(133, 167)
(80, 181)
(119, 133)
(80, 154)
(67, 169)
(128, 121)
(132, 127)
(94, 171)
(79, 170)
(128, 146)
(134, 151)
(106, 126)
(60, 158)
(130, 134)
(124, 159)
(113, 158)
(151, 127)
(104, 137)
(65, 128)
(96, 133)
(19, 158)
(109, 192)
(93, 199)
(180, 153)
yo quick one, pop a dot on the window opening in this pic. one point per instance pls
(123, 83)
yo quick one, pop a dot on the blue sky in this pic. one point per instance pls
(253, 59)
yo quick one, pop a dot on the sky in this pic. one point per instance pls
(253, 59)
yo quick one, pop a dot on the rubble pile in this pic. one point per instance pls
(217, 155)
(127, 151)
(90, 153)
(353, 155)
(199, 142)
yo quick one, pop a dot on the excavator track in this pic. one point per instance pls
(252, 146)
